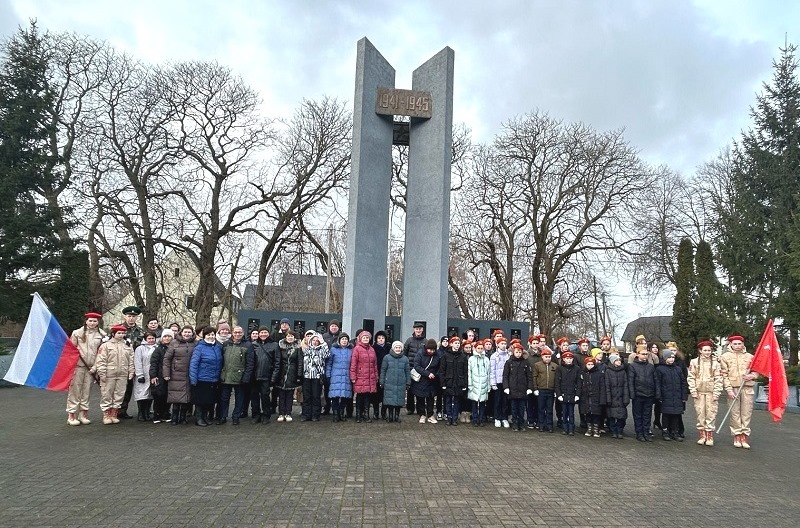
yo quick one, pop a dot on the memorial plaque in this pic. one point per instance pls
(412, 103)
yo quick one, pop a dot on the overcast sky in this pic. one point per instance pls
(679, 76)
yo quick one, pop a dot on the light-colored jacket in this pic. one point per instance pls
(734, 365)
(705, 375)
(114, 360)
(141, 367)
(498, 363)
(478, 377)
(87, 342)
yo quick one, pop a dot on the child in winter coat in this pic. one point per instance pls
(363, 375)
(395, 380)
(497, 364)
(453, 377)
(544, 382)
(337, 370)
(114, 367)
(593, 396)
(641, 385)
(517, 385)
(617, 395)
(478, 383)
(671, 391)
(568, 391)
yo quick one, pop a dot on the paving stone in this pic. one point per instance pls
(378, 474)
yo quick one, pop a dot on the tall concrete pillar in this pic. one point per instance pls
(370, 186)
(427, 254)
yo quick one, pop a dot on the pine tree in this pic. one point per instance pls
(758, 231)
(70, 297)
(29, 246)
(683, 315)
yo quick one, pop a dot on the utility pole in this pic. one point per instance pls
(328, 274)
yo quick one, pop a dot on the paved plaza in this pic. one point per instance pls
(378, 474)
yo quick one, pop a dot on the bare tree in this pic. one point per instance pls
(313, 168)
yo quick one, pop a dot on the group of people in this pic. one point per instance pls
(177, 372)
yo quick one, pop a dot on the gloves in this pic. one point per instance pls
(577, 398)
(140, 379)
(494, 387)
(528, 391)
(507, 391)
(560, 398)
(536, 393)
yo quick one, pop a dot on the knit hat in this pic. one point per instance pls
(667, 353)
(430, 344)
(226, 326)
(284, 320)
(334, 322)
(167, 332)
(613, 358)
(397, 343)
(596, 352)
(363, 333)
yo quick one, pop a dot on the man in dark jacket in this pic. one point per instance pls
(413, 345)
(237, 368)
(264, 352)
(642, 388)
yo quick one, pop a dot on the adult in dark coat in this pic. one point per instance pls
(426, 363)
(289, 373)
(158, 387)
(413, 346)
(593, 396)
(237, 370)
(176, 372)
(382, 348)
(617, 395)
(672, 391)
(265, 356)
(517, 385)
(331, 338)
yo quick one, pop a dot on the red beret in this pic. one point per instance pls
(92, 315)
(516, 345)
(604, 339)
(584, 340)
(541, 336)
(589, 359)
(562, 340)
(701, 344)
(487, 341)
(500, 339)
(467, 342)
(531, 338)
(118, 328)
(547, 352)
(567, 355)
(735, 337)
(497, 333)
(454, 339)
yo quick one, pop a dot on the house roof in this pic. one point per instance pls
(654, 328)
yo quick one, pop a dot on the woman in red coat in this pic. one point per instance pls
(363, 375)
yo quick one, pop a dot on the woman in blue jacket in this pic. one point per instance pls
(204, 370)
(337, 369)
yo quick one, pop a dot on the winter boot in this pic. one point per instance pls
(140, 411)
(702, 439)
(589, 430)
(183, 413)
(745, 441)
(200, 418)
(115, 416)
(665, 435)
(148, 416)
(107, 417)
(375, 413)
(72, 419)
(737, 440)
(384, 412)
(83, 417)
(596, 431)
(709, 438)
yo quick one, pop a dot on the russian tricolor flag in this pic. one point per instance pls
(45, 357)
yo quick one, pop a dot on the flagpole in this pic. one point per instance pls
(730, 406)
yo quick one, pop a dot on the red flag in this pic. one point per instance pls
(768, 361)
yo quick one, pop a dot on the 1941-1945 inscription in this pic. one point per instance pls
(412, 103)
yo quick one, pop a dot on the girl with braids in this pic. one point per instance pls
(87, 338)
(705, 386)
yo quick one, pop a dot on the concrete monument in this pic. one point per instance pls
(429, 105)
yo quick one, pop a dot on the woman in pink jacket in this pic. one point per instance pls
(363, 375)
